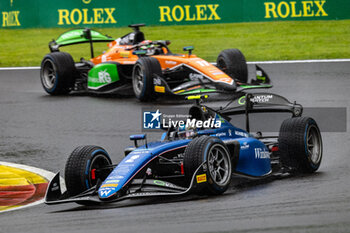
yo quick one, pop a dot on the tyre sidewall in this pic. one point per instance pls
(212, 185)
(150, 67)
(312, 166)
(195, 155)
(293, 144)
(48, 58)
(139, 65)
(78, 168)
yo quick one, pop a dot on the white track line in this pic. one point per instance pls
(299, 61)
(21, 68)
(249, 62)
(46, 174)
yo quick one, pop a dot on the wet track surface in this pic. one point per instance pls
(40, 130)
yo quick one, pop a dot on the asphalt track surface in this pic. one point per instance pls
(41, 130)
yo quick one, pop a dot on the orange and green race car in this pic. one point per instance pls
(146, 68)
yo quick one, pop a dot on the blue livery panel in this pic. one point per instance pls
(254, 158)
(133, 163)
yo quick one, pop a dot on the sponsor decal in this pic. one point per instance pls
(220, 134)
(124, 54)
(86, 16)
(180, 155)
(241, 100)
(116, 177)
(230, 132)
(132, 159)
(104, 77)
(201, 178)
(109, 185)
(295, 9)
(195, 77)
(10, 19)
(159, 89)
(261, 154)
(217, 72)
(159, 182)
(157, 81)
(245, 146)
(179, 13)
(256, 99)
(239, 133)
(111, 181)
(170, 62)
(105, 192)
(55, 187)
(262, 98)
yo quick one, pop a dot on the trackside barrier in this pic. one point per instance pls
(111, 13)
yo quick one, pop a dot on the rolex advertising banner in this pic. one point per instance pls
(118, 13)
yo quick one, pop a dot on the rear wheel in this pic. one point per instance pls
(214, 154)
(233, 63)
(300, 144)
(57, 73)
(84, 167)
(144, 71)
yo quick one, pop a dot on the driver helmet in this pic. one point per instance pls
(147, 45)
(186, 133)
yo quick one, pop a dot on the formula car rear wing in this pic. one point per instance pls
(258, 103)
(78, 36)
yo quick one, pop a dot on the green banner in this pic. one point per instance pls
(118, 13)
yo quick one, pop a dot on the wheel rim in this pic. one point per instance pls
(138, 80)
(49, 74)
(99, 161)
(314, 144)
(219, 165)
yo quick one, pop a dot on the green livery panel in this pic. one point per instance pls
(101, 75)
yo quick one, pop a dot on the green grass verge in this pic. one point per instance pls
(289, 40)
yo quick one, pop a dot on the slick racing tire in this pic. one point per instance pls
(84, 168)
(216, 158)
(57, 73)
(143, 73)
(233, 63)
(300, 144)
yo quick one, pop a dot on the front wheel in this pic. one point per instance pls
(300, 144)
(214, 154)
(84, 167)
(145, 69)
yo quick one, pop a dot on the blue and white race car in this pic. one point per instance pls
(194, 160)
